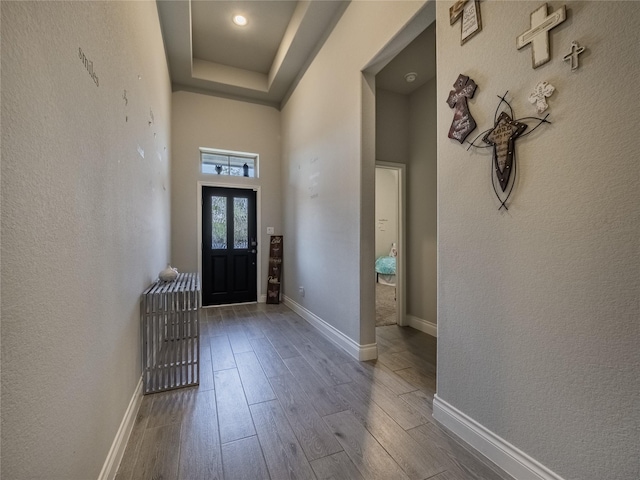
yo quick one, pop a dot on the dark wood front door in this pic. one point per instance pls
(229, 246)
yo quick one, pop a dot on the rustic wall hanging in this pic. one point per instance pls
(275, 269)
(538, 34)
(502, 139)
(471, 24)
(463, 123)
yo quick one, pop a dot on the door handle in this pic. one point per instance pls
(253, 251)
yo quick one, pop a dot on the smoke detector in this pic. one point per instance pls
(410, 77)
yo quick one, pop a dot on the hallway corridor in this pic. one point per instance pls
(278, 401)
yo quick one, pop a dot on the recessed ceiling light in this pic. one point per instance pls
(411, 77)
(240, 20)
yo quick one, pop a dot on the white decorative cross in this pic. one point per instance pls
(538, 34)
(540, 94)
(572, 56)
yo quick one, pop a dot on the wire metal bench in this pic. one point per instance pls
(170, 324)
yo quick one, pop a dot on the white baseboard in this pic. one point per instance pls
(512, 460)
(422, 325)
(262, 298)
(357, 351)
(368, 352)
(114, 457)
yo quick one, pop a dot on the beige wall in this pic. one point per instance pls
(538, 306)
(212, 122)
(406, 133)
(392, 126)
(85, 224)
(421, 206)
(322, 171)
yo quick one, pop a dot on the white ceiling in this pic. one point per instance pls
(263, 61)
(252, 47)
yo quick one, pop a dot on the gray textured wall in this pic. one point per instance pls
(538, 307)
(85, 224)
(322, 126)
(422, 208)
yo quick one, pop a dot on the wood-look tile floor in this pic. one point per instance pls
(278, 401)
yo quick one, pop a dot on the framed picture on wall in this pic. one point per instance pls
(469, 10)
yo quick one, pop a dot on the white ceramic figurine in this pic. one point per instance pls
(169, 274)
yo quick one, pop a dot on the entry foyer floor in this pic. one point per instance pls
(278, 401)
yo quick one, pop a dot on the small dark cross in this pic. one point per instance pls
(503, 137)
(463, 123)
(572, 56)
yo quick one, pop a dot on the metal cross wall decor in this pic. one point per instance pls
(503, 136)
(502, 139)
(463, 123)
(538, 34)
(572, 56)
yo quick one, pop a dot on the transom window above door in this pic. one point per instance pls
(225, 162)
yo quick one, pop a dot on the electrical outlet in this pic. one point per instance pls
(301, 291)
(270, 230)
